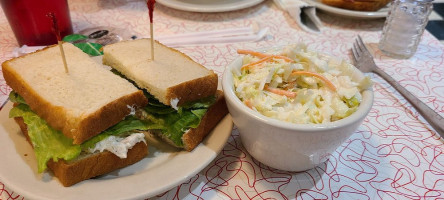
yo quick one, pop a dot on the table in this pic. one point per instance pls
(394, 154)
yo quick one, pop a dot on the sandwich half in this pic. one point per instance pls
(81, 124)
(184, 103)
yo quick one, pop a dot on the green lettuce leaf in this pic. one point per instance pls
(14, 97)
(173, 123)
(47, 142)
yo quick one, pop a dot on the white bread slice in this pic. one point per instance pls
(170, 77)
(81, 103)
(89, 166)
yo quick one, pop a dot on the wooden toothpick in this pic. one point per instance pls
(55, 29)
(63, 56)
(152, 41)
(150, 4)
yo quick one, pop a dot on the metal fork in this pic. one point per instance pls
(364, 62)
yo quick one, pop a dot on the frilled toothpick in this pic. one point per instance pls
(56, 30)
(150, 4)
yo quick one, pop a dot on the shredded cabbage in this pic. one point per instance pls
(269, 87)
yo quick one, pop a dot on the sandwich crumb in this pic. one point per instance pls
(132, 108)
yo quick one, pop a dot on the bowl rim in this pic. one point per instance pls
(230, 96)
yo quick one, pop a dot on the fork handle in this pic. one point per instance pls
(435, 120)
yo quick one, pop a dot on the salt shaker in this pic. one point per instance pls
(404, 27)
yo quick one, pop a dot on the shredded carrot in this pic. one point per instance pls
(280, 91)
(253, 53)
(284, 58)
(248, 103)
(263, 55)
(249, 65)
(326, 81)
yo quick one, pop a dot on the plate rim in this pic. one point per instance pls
(205, 9)
(219, 136)
(348, 13)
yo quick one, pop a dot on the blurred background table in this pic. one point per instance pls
(436, 20)
(394, 154)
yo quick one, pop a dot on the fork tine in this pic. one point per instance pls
(362, 45)
(358, 47)
(355, 54)
(358, 50)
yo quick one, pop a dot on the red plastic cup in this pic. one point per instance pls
(30, 24)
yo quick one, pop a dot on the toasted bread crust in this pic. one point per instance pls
(79, 129)
(95, 165)
(215, 113)
(70, 173)
(192, 90)
(107, 116)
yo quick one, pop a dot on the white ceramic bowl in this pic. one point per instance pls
(284, 145)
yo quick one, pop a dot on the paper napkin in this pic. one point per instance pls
(303, 13)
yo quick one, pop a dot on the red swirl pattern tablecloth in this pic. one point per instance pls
(395, 154)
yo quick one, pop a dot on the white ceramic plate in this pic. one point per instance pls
(381, 13)
(162, 170)
(209, 5)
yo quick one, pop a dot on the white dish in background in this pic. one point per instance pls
(381, 13)
(209, 5)
(160, 171)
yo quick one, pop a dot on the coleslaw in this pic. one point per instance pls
(298, 85)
